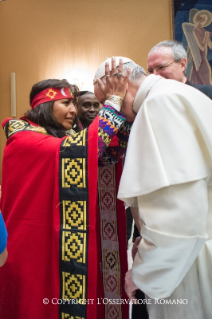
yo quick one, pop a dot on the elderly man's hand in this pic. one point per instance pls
(130, 287)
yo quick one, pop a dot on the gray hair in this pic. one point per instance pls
(178, 50)
(136, 71)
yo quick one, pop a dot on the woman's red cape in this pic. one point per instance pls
(32, 195)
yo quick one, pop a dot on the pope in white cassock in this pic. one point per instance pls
(167, 178)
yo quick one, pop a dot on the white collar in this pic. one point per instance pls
(144, 89)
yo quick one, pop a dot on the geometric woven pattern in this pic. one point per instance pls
(78, 139)
(73, 225)
(73, 172)
(111, 260)
(111, 268)
(15, 126)
(67, 316)
(123, 144)
(107, 200)
(106, 178)
(74, 215)
(74, 246)
(112, 282)
(104, 136)
(109, 230)
(113, 311)
(73, 288)
(113, 118)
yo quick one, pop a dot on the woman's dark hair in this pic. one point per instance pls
(42, 114)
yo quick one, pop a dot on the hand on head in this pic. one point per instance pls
(116, 82)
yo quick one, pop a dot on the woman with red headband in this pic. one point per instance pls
(57, 240)
(53, 104)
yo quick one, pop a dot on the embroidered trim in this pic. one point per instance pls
(114, 117)
(73, 226)
(104, 136)
(67, 316)
(126, 127)
(111, 268)
(14, 126)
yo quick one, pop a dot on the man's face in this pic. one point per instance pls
(161, 62)
(88, 108)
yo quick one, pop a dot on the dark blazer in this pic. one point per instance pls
(206, 89)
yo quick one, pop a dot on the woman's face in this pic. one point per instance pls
(64, 112)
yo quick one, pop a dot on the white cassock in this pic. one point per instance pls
(167, 175)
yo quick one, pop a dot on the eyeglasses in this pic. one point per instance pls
(160, 67)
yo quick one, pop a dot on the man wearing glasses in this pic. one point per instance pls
(169, 60)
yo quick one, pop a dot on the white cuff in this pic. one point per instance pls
(114, 105)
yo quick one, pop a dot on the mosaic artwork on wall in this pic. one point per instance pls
(192, 27)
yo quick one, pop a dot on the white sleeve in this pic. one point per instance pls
(173, 233)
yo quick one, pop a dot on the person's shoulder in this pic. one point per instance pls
(169, 93)
(168, 87)
(12, 126)
(206, 89)
(187, 91)
(10, 120)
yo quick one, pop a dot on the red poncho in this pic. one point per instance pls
(57, 238)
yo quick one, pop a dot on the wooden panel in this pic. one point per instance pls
(43, 39)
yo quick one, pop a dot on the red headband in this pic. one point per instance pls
(51, 94)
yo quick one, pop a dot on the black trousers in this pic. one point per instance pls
(139, 311)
